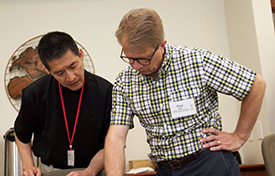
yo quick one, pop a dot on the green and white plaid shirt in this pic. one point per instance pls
(185, 73)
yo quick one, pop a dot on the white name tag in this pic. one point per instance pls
(182, 108)
(70, 157)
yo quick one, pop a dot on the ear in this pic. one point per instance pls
(81, 54)
(162, 45)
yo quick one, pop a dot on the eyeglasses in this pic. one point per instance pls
(142, 61)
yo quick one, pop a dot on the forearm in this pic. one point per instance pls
(250, 109)
(251, 106)
(96, 164)
(25, 153)
(114, 158)
(114, 155)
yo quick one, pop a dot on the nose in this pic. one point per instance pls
(70, 76)
(136, 65)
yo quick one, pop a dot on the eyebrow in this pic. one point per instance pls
(122, 52)
(58, 71)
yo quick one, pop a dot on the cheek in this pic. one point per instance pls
(154, 66)
(59, 79)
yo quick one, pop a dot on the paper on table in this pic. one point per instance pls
(140, 170)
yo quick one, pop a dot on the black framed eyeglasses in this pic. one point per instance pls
(142, 61)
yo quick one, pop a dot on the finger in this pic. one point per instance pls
(216, 148)
(71, 174)
(28, 173)
(74, 173)
(78, 173)
(39, 172)
(208, 139)
(31, 173)
(211, 130)
(210, 144)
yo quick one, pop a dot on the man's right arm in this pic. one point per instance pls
(26, 158)
(114, 155)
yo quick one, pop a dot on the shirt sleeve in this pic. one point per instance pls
(227, 77)
(108, 106)
(121, 111)
(26, 121)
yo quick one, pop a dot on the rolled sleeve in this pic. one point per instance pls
(227, 77)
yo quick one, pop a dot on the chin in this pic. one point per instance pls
(74, 88)
(144, 72)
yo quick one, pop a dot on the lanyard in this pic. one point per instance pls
(77, 113)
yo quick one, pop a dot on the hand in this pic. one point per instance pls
(32, 171)
(81, 173)
(221, 140)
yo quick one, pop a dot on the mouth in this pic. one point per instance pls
(144, 72)
(74, 84)
(141, 71)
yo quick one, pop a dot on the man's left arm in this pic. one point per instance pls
(95, 166)
(250, 109)
(97, 162)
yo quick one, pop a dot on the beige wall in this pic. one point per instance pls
(200, 23)
(251, 42)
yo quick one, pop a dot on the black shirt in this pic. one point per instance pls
(41, 113)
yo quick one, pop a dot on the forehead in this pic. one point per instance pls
(144, 52)
(140, 46)
(65, 61)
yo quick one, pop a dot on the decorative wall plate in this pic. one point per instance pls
(24, 67)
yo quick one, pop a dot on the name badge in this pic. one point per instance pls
(70, 157)
(182, 108)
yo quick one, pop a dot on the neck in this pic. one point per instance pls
(154, 75)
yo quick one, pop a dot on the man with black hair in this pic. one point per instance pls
(68, 111)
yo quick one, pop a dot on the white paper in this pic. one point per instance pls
(183, 108)
(141, 170)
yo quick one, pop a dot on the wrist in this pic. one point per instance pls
(25, 167)
(90, 172)
(242, 137)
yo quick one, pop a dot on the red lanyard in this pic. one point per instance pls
(77, 113)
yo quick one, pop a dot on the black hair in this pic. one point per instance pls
(54, 45)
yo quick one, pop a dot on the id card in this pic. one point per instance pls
(70, 157)
(182, 108)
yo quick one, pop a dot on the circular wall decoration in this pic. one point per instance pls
(25, 66)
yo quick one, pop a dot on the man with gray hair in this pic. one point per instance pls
(173, 92)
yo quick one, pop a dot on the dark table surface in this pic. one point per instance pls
(64, 172)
